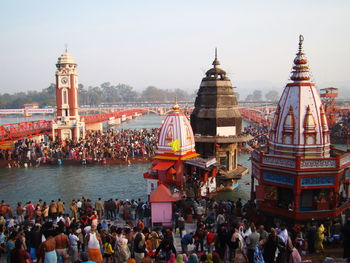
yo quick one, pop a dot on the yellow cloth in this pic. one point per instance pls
(107, 248)
(319, 237)
(175, 145)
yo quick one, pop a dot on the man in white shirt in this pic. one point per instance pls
(79, 205)
(73, 240)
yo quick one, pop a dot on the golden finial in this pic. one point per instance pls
(176, 107)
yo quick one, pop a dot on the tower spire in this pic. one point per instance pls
(66, 47)
(301, 40)
(300, 72)
(216, 61)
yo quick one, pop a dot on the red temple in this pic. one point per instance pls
(299, 174)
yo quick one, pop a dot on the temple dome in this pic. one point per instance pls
(177, 129)
(299, 126)
(216, 73)
(66, 58)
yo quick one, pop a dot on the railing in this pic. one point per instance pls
(22, 130)
(300, 162)
(282, 162)
(103, 117)
(320, 163)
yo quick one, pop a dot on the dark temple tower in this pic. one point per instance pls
(217, 124)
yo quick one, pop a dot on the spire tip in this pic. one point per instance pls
(301, 40)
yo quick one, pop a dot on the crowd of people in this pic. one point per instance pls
(99, 147)
(116, 231)
(96, 146)
(259, 132)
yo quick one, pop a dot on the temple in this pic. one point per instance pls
(217, 125)
(177, 165)
(299, 174)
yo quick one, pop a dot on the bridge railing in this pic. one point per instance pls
(255, 116)
(103, 117)
(22, 130)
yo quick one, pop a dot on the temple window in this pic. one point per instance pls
(287, 139)
(64, 95)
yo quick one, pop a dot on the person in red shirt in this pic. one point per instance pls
(210, 242)
(18, 254)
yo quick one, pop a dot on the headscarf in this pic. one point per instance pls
(193, 259)
(185, 257)
(172, 258)
(210, 258)
(216, 257)
(179, 259)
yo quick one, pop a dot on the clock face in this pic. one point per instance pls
(64, 80)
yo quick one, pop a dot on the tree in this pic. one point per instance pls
(126, 93)
(272, 95)
(249, 97)
(153, 94)
(257, 95)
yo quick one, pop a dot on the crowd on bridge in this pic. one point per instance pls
(96, 147)
(119, 231)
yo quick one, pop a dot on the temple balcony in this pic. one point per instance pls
(339, 159)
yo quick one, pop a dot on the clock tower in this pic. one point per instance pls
(68, 124)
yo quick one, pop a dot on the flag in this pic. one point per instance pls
(175, 145)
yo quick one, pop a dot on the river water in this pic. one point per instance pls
(69, 182)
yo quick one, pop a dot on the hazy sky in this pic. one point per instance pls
(170, 44)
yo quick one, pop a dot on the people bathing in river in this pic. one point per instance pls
(94, 147)
(99, 147)
(126, 237)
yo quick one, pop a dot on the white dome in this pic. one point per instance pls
(66, 58)
(176, 127)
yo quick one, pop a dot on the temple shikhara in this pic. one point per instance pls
(175, 145)
(217, 126)
(299, 174)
